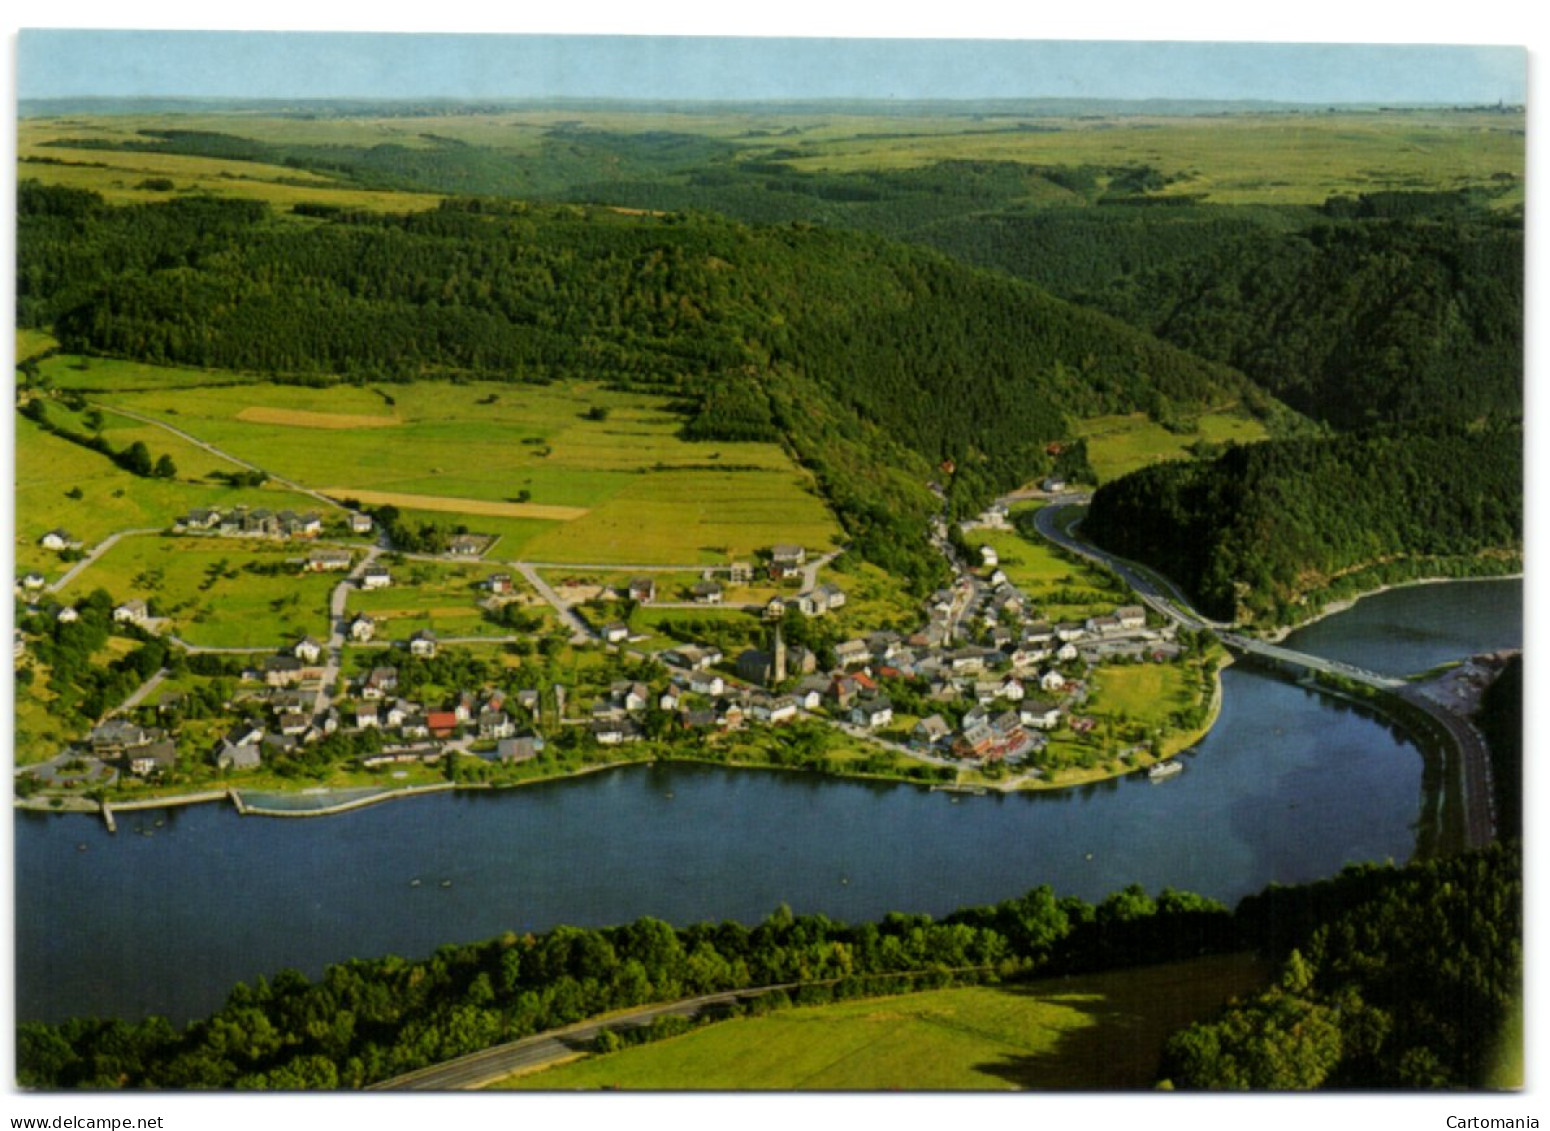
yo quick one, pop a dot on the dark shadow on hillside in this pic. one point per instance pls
(1114, 1051)
(1128, 1015)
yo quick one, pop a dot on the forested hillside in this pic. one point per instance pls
(1388, 305)
(1380, 317)
(1396, 980)
(876, 361)
(1267, 532)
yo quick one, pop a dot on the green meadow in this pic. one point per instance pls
(49, 470)
(208, 590)
(107, 374)
(648, 496)
(1092, 1033)
(1118, 445)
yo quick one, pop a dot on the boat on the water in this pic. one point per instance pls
(1165, 770)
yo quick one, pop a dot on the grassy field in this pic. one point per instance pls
(48, 469)
(1117, 445)
(1288, 158)
(648, 496)
(118, 175)
(1144, 693)
(442, 598)
(202, 585)
(1098, 1032)
(30, 343)
(1060, 590)
(103, 374)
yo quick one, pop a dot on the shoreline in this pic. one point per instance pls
(246, 807)
(1278, 634)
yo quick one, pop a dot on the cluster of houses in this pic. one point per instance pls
(140, 750)
(260, 522)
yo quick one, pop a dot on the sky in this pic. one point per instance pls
(111, 63)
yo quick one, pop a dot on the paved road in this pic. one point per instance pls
(336, 630)
(141, 692)
(482, 1068)
(94, 553)
(580, 632)
(1153, 589)
(1475, 767)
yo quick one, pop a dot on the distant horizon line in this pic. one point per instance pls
(829, 100)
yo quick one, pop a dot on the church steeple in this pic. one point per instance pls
(779, 668)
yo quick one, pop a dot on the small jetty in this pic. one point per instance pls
(107, 818)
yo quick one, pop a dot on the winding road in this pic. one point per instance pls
(1162, 595)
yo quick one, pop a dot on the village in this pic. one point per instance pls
(976, 691)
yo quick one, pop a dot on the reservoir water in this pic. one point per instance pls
(1288, 786)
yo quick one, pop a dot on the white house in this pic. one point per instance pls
(423, 643)
(131, 612)
(362, 627)
(376, 577)
(706, 683)
(872, 713)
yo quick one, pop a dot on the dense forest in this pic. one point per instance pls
(1265, 533)
(1500, 719)
(874, 360)
(1394, 978)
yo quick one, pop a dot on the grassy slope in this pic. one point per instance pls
(111, 499)
(1117, 445)
(1098, 1032)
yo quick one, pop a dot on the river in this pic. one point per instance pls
(165, 916)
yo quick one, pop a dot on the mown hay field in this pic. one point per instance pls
(1099, 1032)
(457, 506)
(329, 421)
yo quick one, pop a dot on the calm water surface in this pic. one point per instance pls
(1287, 787)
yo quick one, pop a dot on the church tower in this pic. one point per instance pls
(778, 670)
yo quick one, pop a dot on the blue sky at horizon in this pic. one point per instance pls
(57, 63)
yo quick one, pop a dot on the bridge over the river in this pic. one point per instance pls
(1251, 647)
